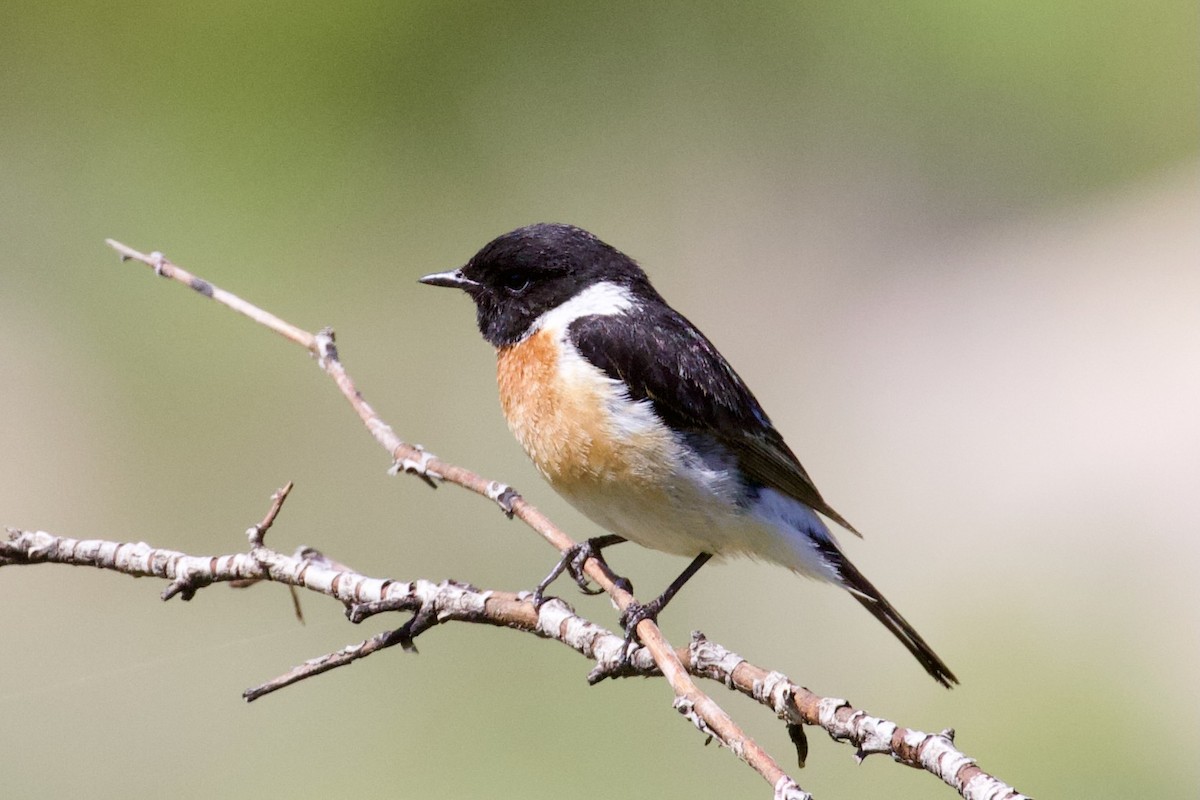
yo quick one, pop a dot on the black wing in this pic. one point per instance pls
(663, 358)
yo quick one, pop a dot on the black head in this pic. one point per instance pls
(521, 275)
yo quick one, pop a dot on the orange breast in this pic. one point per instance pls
(562, 410)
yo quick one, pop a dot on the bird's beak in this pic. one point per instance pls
(454, 279)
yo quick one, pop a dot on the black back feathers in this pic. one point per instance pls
(663, 358)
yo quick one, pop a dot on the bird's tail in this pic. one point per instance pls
(866, 594)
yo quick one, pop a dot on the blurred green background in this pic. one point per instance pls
(955, 248)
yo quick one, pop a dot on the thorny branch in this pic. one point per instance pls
(432, 604)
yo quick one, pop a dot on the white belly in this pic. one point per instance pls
(696, 512)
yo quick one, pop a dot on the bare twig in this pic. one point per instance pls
(696, 706)
(448, 601)
(256, 532)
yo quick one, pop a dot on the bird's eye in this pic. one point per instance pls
(516, 282)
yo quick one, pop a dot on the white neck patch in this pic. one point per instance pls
(600, 299)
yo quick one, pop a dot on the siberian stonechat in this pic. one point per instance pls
(634, 418)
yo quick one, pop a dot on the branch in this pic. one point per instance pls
(698, 707)
(433, 604)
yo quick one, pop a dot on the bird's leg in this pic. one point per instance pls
(572, 562)
(636, 612)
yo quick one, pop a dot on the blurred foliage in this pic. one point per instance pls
(449, 110)
(941, 208)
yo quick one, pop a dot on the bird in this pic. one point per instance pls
(632, 415)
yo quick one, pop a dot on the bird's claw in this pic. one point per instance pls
(633, 615)
(572, 561)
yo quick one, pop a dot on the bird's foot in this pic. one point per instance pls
(572, 562)
(636, 612)
(633, 615)
(630, 618)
